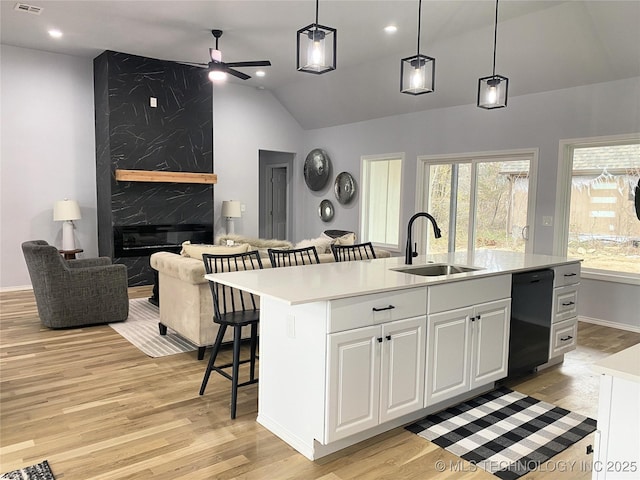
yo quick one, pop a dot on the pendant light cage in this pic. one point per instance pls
(417, 73)
(493, 90)
(316, 48)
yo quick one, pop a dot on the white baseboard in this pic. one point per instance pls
(16, 289)
(607, 323)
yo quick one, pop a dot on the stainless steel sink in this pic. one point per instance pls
(436, 269)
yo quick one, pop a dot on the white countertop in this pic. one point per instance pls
(624, 364)
(327, 281)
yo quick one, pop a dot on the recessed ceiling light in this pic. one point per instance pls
(391, 29)
(260, 73)
(55, 33)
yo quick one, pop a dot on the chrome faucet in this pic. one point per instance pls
(409, 253)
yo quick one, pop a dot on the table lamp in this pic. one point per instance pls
(66, 211)
(231, 209)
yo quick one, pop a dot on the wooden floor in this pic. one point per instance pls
(96, 407)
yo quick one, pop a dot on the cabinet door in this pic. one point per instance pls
(490, 342)
(353, 383)
(447, 355)
(402, 377)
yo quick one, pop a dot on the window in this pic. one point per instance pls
(480, 201)
(381, 199)
(596, 199)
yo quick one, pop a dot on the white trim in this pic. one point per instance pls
(608, 323)
(422, 175)
(565, 169)
(610, 276)
(364, 206)
(16, 288)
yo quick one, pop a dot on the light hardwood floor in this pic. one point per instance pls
(96, 407)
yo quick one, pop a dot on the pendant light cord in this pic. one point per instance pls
(419, 17)
(495, 39)
(317, 4)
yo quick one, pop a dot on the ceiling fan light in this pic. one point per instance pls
(492, 92)
(417, 74)
(217, 76)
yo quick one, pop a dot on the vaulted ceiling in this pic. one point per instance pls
(542, 45)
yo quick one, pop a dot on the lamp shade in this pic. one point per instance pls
(64, 210)
(231, 209)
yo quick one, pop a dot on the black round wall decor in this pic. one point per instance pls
(317, 168)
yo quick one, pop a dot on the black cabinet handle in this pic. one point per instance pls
(570, 274)
(564, 339)
(379, 339)
(566, 304)
(473, 319)
(388, 337)
(390, 307)
(478, 317)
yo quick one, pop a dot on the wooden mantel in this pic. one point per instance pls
(163, 176)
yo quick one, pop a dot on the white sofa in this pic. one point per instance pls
(185, 297)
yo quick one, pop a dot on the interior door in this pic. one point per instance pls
(278, 203)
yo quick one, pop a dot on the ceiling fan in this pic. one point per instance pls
(218, 68)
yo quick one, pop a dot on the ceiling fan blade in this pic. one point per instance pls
(238, 74)
(256, 63)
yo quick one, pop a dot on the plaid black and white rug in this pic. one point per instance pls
(504, 432)
(40, 471)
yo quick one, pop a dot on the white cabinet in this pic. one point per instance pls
(564, 323)
(375, 374)
(466, 348)
(617, 439)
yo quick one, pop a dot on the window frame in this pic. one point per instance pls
(475, 158)
(364, 204)
(563, 201)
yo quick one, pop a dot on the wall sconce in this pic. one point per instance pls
(417, 73)
(316, 48)
(66, 211)
(231, 209)
(492, 91)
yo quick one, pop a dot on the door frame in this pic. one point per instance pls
(266, 165)
(422, 176)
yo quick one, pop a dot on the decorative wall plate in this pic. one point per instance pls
(344, 187)
(317, 167)
(325, 210)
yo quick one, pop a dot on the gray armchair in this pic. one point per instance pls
(72, 293)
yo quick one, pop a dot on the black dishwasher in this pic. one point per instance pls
(531, 313)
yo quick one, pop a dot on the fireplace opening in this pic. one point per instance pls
(143, 240)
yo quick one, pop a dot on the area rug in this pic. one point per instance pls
(141, 329)
(504, 432)
(40, 471)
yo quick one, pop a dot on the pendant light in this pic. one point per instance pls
(316, 48)
(492, 91)
(417, 73)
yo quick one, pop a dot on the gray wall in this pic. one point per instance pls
(48, 153)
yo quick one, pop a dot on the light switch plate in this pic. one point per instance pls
(153, 102)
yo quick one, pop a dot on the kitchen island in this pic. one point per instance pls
(350, 350)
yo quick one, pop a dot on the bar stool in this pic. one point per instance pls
(359, 251)
(293, 257)
(233, 308)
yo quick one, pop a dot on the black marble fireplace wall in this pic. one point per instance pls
(176, 135)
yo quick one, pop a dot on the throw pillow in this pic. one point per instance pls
(348, 239)
(323, 245)
(196, 250)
